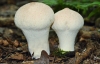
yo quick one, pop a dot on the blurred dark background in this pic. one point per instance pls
(89, 9)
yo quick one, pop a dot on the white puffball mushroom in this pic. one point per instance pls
(35, 19)
(67, 24)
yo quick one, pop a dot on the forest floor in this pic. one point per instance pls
(14, 49)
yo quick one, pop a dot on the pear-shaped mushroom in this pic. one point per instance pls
(35, 19)
(67, 24)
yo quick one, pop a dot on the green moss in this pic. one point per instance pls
(60, 53)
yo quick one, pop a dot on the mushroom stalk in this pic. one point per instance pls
(40, 37)
(66, 40)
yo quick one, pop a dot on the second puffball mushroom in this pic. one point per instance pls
(35, 19)
(67, 24)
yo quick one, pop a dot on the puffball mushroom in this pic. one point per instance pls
(35, 19)
(67, 24)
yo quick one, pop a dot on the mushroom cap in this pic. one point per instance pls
(34, 15)
(67, 19)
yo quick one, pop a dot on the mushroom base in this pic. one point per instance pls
(66, 39)
(37, 41)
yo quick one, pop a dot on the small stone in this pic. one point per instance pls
(17, 56)
(16, 43)
(5, 43)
